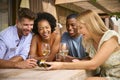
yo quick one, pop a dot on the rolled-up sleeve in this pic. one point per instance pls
(3, 49)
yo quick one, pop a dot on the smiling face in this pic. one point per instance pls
(72, 27)
(84, 31)
(24, 26)
(44, 29)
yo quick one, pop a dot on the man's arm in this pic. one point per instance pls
(29, 63)
(3, 49)
(15, 62)
(16, 59)
(6, 64)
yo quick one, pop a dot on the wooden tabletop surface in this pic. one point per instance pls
(41, 74)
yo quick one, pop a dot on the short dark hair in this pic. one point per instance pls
(25, 13)
(44, 16)
(73, 15)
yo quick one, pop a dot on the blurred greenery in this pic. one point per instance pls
(94, 0)
(117, 14)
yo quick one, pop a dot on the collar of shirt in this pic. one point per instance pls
(18, 40)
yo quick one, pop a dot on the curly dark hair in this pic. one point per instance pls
(44, 16)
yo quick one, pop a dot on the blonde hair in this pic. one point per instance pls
(94, 25)
(93, 22)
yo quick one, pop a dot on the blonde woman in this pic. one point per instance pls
(102, 44)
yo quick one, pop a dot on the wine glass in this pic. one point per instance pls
(45, 51)
(64, 50)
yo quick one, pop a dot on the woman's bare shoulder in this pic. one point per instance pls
(35, 37)
(56, 35)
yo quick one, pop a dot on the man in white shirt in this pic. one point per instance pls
(15, 42)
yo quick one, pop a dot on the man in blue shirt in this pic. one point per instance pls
(73, 38)
(15, 42)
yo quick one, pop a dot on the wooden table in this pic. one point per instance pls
(41, 74)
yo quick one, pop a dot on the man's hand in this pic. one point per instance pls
(27, 64)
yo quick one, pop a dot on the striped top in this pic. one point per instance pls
(11, 45)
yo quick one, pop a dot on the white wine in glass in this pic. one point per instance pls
(64, 50)
(45, 50)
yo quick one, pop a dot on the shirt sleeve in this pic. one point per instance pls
(109, 34)
(3, 49)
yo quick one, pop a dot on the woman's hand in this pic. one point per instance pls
(75, 60)
(54, 65)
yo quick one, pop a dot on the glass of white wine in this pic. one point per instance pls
(64, 50)
(45, 51)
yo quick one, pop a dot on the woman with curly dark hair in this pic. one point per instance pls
(44, 32)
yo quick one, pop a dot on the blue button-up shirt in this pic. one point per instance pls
(11, 45)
